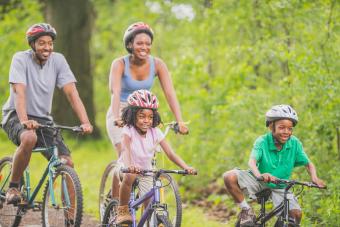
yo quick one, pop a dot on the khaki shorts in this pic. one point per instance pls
(145, 183)
(250, 186)
(114, 132)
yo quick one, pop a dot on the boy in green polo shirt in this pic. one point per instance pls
(274, 155)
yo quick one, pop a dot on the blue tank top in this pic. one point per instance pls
(130, 85)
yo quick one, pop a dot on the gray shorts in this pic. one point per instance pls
(14, 128)
(250, 186)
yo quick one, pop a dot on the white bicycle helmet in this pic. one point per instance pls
(280, 112)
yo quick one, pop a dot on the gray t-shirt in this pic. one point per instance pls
(39, 81)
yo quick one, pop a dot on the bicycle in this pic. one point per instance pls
(282, 210)
(62, 202)
(170, 193)
(156, 213)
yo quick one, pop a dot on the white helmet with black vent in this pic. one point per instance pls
(280, 112)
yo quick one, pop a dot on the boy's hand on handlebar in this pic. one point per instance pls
(268, 178)
(30, 124)
(319, 182)
(87, 128)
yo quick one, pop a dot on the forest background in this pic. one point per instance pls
(230, 61)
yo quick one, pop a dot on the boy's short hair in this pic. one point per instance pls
(129, 115)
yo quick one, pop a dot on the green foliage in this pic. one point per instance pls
(229, 64)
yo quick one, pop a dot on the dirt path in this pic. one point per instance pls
(33, 219)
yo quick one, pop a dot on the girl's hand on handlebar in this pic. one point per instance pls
(30, 124)
(191, 170)
(134, 169)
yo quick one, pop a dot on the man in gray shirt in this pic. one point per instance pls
(33, 76)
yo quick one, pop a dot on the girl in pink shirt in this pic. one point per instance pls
(139, 138)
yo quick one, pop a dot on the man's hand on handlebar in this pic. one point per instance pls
(191, 170)
(30, 124)
(183, 128)
(87, 128)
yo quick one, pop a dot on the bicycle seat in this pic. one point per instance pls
(264, 194)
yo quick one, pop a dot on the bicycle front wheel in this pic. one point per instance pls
(63, 201)
(105, 188)
(110, 214)
(170, 196)
(9, 215)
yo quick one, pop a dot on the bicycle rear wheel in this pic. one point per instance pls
(67, 194)
(9, 215)
(105, 188)
(170, 195)
(110, 214)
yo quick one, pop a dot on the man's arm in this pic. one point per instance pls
(72, 95)
(20, 106)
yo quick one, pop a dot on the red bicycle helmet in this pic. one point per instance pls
(37, 30)
(143, 99)
(134, 29)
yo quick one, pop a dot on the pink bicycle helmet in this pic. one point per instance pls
(37, 30)
(143, 99)
(134, 29)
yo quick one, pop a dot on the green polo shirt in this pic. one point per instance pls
(278, 163)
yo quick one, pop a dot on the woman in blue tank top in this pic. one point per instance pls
(135, 71)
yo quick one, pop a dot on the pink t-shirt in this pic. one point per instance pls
(142, 148)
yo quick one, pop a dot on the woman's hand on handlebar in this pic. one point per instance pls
(134, 170)
(118, 122)
(183, 128)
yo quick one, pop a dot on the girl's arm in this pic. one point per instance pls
(126, 151)
(170, 94)
(116, 72)
(174, 157)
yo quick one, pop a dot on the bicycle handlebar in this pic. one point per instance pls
(174, 126)
(292, 182)
(70, 128)
(156, 171)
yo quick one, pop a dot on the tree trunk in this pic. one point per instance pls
(73, 20)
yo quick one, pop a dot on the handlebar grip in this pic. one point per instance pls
(176, 128)
(260, 178)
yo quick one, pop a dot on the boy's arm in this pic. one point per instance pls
(312, 172)
(267, 177)
(174, 157)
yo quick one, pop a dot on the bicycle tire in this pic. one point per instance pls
(9, 215)
(57, 215)
(110, 213)
(105, 188)
(162, 220)
(170, 195)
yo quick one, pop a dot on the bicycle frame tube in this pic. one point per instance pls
(154, 194)
(54, 161)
